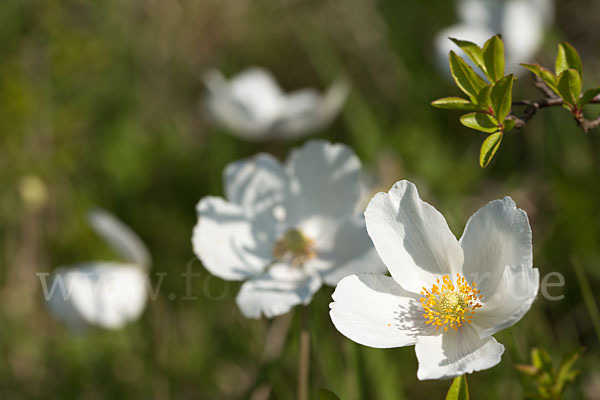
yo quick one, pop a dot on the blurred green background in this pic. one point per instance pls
(101, 101)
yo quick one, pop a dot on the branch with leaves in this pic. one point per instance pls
(490, 103)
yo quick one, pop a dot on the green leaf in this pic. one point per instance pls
(541, 360)
(568, 58)
(569, 86)
(588, 95)
(483, 99)
(501, 97)
(509, 124)
(474, 52)
(566, 373)
(455, 103)
(545, 74)
(480, 121)
(464, 76)
(325, 394)
(459, 390)
(489, 148)
(493, 58)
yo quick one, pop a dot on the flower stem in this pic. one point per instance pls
(304, 361)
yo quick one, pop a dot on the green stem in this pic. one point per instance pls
(160, 382)
(304, 361)
(588, 296)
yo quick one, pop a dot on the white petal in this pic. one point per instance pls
(513, 298)
(258, 92)
(277, 291)
(120, 237)
(325, 180)
(300, 115)
(60, 303)
(334, 99)
(455, 353)
(497, 235)
(104, 294)
(373, 310)
(247, 105)
(214, 80)
(227, 243)
(308, 111)
(412, 237)
(301, 102)
(226, 111)
(259, 186)
(344, 248)
(235, 118)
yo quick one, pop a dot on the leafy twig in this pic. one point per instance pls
(541, 85)
(489, 105)
(531, 108)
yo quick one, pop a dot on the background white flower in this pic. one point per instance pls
(445, 296)
(252, 106)
(286, 229)
(522, 24)
(101, 293)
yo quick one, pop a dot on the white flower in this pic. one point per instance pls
(445, 296)
(522, 24)
(252, 105)
(286, 229)
(101, 293)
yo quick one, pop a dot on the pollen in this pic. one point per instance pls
(450, 303)
(294, 247)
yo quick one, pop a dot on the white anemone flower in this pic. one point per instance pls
(445, 296)
(252, 106)
(286, 229)
(522, 24)
(102, 293)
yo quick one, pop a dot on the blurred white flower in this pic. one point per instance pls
(522, 24)
(251, 105)
(286, 229)
(101, 293)
(445, 296)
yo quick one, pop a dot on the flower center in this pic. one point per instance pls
(294, 247)
(449, 304)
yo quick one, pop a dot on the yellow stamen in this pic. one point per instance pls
(449, 304)
(294, 247)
